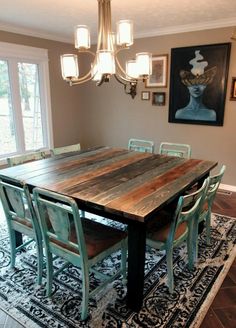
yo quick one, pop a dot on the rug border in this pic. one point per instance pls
(215, 288)
(204, 307)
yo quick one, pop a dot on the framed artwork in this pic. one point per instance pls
(158, 79)
(158, 98)
(198, 81)
(233, 89)
(145, 95)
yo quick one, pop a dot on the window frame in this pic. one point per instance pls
(14, 53)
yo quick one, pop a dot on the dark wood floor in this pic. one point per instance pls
(222, 313)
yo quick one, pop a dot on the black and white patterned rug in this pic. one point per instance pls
(186, 307)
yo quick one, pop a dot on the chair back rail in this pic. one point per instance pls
(65, 149)
(141, 145)
(20, 159)
(175, 149)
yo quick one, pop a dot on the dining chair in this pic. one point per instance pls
(141, 145)
(79, 241)
(175, 149)
(205, 214)
(178, 229)
(65, 149)
(30, 157)
(21, 218)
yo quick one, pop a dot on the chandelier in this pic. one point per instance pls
(105, 60)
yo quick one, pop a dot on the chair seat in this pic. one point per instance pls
(98, 237)
(156, 232)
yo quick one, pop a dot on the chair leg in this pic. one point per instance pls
(40, 260)
(170, 275)
(191, 249)
(13, 247)
(49, 273)
(124, 258)
(85, 292)
(208, 227)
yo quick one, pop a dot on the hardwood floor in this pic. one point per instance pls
(222, 313)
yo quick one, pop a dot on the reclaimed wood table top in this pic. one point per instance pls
(129, 184)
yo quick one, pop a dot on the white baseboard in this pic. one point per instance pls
(227, 187)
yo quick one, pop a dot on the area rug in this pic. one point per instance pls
(186, 307)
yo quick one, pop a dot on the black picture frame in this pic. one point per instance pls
(198, 89)
(233, 89)
(159, 98)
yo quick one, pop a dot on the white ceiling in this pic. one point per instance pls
(55, 19)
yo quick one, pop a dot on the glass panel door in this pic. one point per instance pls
(7, 126)
(30, 105)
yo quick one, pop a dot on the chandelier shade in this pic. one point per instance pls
(105, 59)
(69, 65)
(124, 34)
(82, 37)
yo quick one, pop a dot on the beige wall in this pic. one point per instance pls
(110, 117)
(106, 116)
(65, 101)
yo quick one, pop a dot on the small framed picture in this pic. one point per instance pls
(145, 95)
(158, 79)
(233, 89)
(158, 98)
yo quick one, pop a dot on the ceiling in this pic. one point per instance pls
(55, 19)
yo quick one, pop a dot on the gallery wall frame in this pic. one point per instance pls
(158, 79)
(198, 81)
(145, 95)
(233, 89)
(159, 98)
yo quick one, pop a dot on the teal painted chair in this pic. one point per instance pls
(175, 149)
(178, 229)
(144, 146)
(21, 218)
(205, 216)
(20, 159)
(65, 149)
(79, 241)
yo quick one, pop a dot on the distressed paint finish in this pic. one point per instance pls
(123, 185)
(132, 185)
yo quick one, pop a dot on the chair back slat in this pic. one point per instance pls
(20, 159)
(65, 149)
(141, 145)
(60, 223)
(175, 149)
(15, 201)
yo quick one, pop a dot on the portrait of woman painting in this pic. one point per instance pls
(198, 82)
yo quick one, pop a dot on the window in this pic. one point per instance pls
(25, 113)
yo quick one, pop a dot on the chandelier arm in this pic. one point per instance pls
(132, 85)
(78, 81)
(88, 76)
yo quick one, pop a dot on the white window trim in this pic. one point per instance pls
(12, 51)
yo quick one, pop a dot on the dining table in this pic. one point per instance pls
(125, 186)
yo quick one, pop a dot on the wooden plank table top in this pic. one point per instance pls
(129, 184)
(119, 184)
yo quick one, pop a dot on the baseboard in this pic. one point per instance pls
(227, 187)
